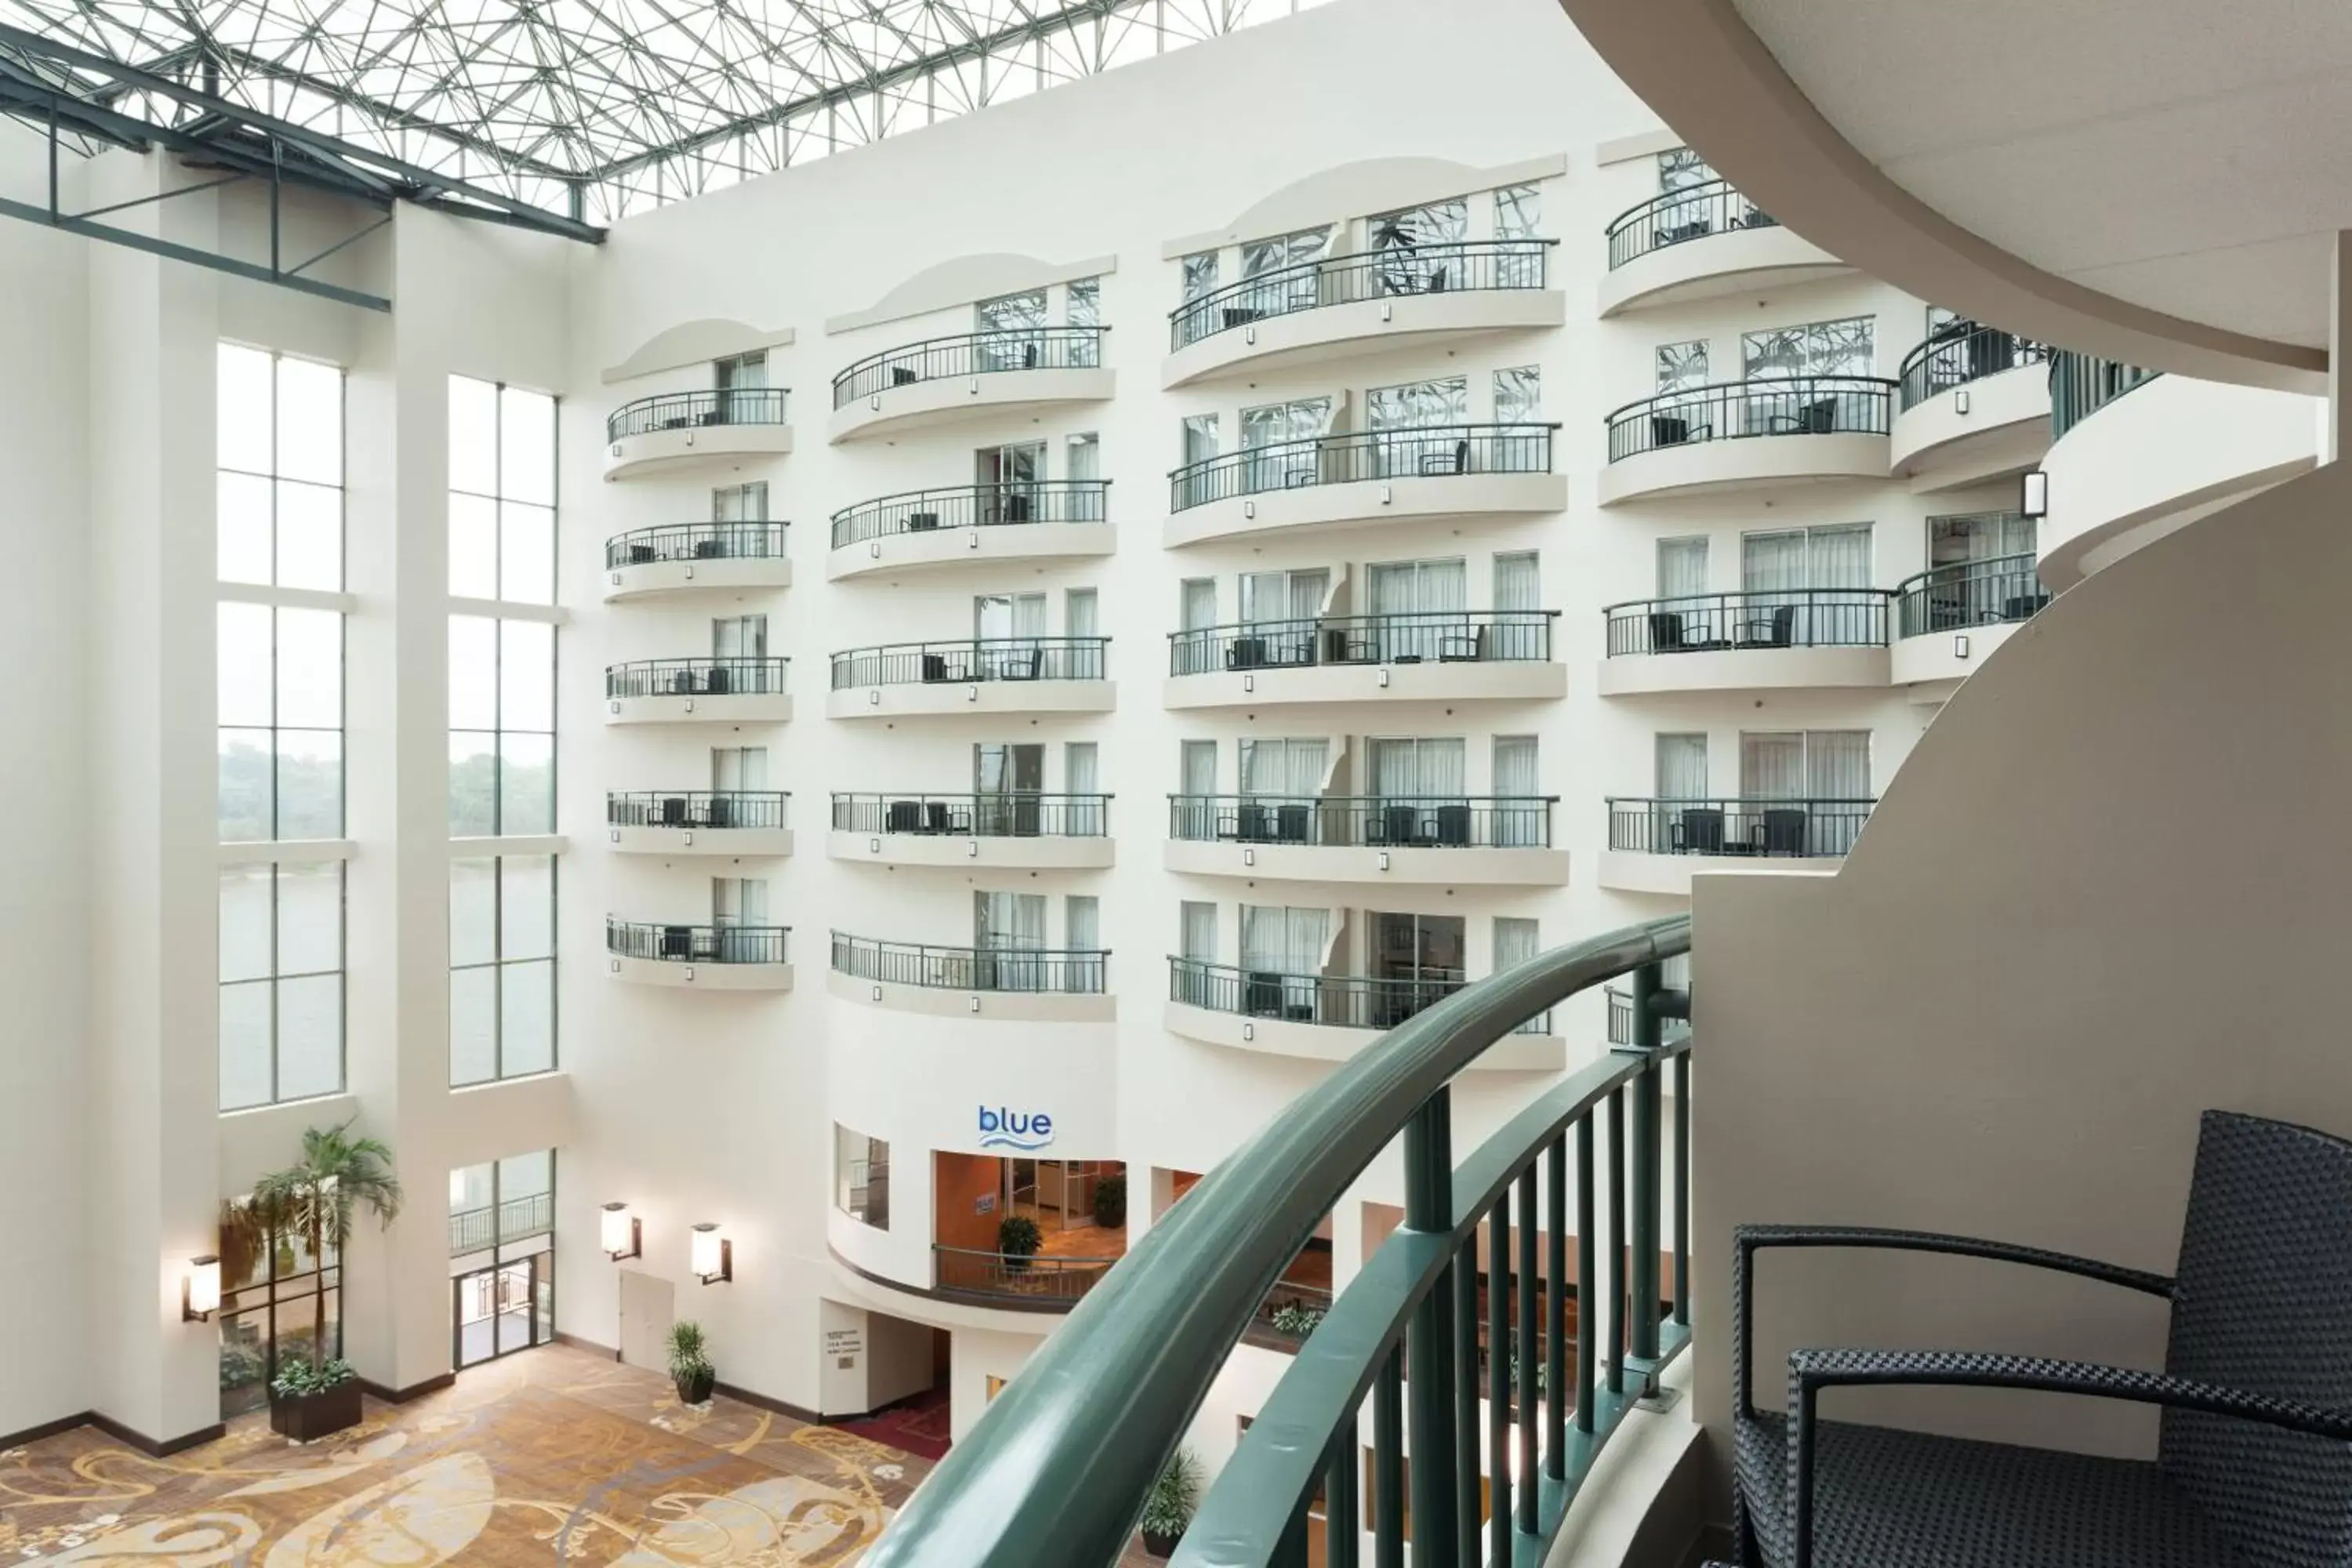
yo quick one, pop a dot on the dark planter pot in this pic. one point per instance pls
(1161, 1546)
(695, 1390)
(306, 1418)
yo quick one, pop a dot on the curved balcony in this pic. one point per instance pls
(1365, 477)
(709, 958)
(1782, 431)
(685, 557)
(1765, 640)
(1335, 306)
(1325, 1017)
(1018, 985)
(988, 675)
(976, 525)
(1033, 1283)
(713, 691)
(1973, 404)
(1043, 831)
(943, 380)
(1947, 619)
(679, 429)
(1656, 845)
(698, 822)
(1656, 257)
(1422, 656)
(1450, 840)
(2139, 456)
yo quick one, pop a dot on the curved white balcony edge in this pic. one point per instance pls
(1362, 327)
(700, 976)
(658, 579)
(739, 841)
(877, 1288)
(2004, 429)
(729, 708)
(1331, 1043)
(922, 697)
(2159, 457)
(1531, 867)
(1947, 655)
(972, 547)
(1696, 466)
(1434, 681)
(1734, 261)
(950, 399)
(1741, 669)
(694, 445)
(1637, 872)
(1032, 852)
(1360, 502)
(945, 1001)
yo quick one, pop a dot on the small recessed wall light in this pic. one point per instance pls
(2033, 493)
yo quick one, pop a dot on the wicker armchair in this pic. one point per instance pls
(2255, 1462)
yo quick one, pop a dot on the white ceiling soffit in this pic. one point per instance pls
(967, 279)
(697, 342)
(2019, 122)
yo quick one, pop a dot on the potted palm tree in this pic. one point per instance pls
(317, 1198)
(1168, 1507)
(689, 1363)
(1018, 1239)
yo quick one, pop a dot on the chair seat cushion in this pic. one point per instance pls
(1889, 1498)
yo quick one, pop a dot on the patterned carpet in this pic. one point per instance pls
(553, 1456)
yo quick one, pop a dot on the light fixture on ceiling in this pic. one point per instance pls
(200, 1289)
(2033, 494)
(713, 1257)
(621, 1233)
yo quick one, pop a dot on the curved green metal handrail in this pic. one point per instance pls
(1059, 1466)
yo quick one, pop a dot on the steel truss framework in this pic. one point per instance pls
(555, 113)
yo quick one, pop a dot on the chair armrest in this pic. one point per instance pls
(1811, 1371)
(1747, 1240)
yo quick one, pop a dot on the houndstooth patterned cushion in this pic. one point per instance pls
(1888, 1498)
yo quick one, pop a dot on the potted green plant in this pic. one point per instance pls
(1168, 1508)
(317, 1199)
(1017, 1241)
(689, 1363)
(1110, 1200)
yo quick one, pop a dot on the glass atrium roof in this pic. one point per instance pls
(613, 105)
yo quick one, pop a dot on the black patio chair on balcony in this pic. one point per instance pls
(1665, 631)
(2253, 1463)
(1699, 830)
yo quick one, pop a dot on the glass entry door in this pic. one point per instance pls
(505, 1308)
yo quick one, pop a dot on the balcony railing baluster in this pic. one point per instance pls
(1008, 814)
(664, 942)
(981, 659)
(1422, 451)
(1996, 591)
(1765, 618)
(1410, 636)
(694, 808)
(1451, 267)
(1382, 822)
(697, 541)
(1743, 827)
(1002, 505)
(1001, 969)
(1961, 353)
(696, 678)
(1790, 406)
(692, 410)
(1694, 212)
(969, 354)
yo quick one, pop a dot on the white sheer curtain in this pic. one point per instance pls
(1288, 942)
(1518, 581)
(1837, 764)
(1080, 616)
(1519, 816)
(1682, 568)
(1681, 767)
(1430, 597)
(1426, 768)
(1515, 943)
(1197, 602)
(1286, 427)
(1772, 767)
(1198, 766)
(1082, 923)
(1772, 562)
(1082, 777)
(1439, 407)
(1197, 932)
(1841, 556)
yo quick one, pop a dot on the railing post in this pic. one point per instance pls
(1648, 1033)
(1682, 1189)
(1429, 1208)
(1587, 1268)
(1388, 1463)
(1617, 1248)
(1466, 1402)
(1498, 1379)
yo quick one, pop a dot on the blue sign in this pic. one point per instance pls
(1023, 1130)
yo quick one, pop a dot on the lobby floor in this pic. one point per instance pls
(553, 1455)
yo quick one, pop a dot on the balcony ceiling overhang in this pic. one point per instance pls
(2155, 181)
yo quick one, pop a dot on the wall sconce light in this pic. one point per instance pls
(200, 1289)
(713, 1258)
(2033, 494)
(621, 1233)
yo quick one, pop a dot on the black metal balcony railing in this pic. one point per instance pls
(1621, 1019)
(1338, 1000)
(687, 410)
(1797, 405)
(1416, 637)
(1069, 974)
(696, 944)
(1963, 353)
(1963, 594)
(1738, 827)
(1426, 451)
(472, 1230)
(1052, 1284)
(970, 353)
(1380, 822)
(698, 808)
(1008, 814)
(1767, 618)
(1057, 1467)
(697, 541)
(696, 678)
(2079, 385)
(974, 506)
(1692, 213)
(1457, 268)
(981, 658)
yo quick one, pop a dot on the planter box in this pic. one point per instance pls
(308, 1417)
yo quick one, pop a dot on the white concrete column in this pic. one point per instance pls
(153, 1070)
